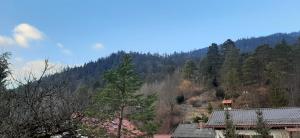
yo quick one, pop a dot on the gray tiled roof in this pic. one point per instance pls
(192, 131)
(248, 117)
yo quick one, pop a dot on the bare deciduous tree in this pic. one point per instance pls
(39, 106)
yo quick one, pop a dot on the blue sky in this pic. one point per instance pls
(72, 32)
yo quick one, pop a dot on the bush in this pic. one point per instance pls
(209, 108)
(220, 93)
(204, 118)
(180, 99)
(198, 119)
(92, 131)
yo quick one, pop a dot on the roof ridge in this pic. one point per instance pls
(270, 108)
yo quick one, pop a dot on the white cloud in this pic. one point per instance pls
(22, 35)
(64, 50)
(6, 41)
(98, 46)
(32, 68)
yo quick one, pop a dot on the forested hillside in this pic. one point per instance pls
(233, 74)
(155, 92)
(249, 44)
(154, 67)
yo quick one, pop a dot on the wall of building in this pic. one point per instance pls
(275, 133)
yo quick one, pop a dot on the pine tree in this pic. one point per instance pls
(189, 70)
(146, 115)
(263, 57)
(213, 64)
(229, 126)
(278, 96)
(203, 71)
(226, 47)
(230, 67)
(277, 91)
(4, 70)
(261, 125)
(296, 63)
(282, 57)
(249, 70)
(120, 93)
(5, 95)
(231, 81)
(279, 73)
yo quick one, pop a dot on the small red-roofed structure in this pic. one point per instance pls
(227, 104)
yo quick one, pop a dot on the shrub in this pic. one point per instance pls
(180, 99)
(220, 93)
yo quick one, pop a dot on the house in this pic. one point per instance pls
(283, 122)
(193, 131)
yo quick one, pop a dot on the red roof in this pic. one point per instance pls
(227, 102)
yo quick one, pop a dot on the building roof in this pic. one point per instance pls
(292, 129)
(162, 136)
(227, 101)
(279, 117)
(192, 131)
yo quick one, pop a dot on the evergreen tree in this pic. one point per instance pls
(210, 108)
(203, 71)
(231, 83)
(296, 63)
(279, 73)
(146, 115)
(226, 47)
(282, 58)
(278, 96)
(213, 64)
(230, 68)
(263, 57)
(220, 93)
(229, 126)
(189, 70)
(4, 94)
(4, 70)
(261, 125)
(277, 91)
(250, 71)
(120, 93)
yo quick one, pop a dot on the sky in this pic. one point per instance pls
(72, 32)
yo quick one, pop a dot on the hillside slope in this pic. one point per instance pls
(154, 67)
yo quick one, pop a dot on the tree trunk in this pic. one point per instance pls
(120, 123)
